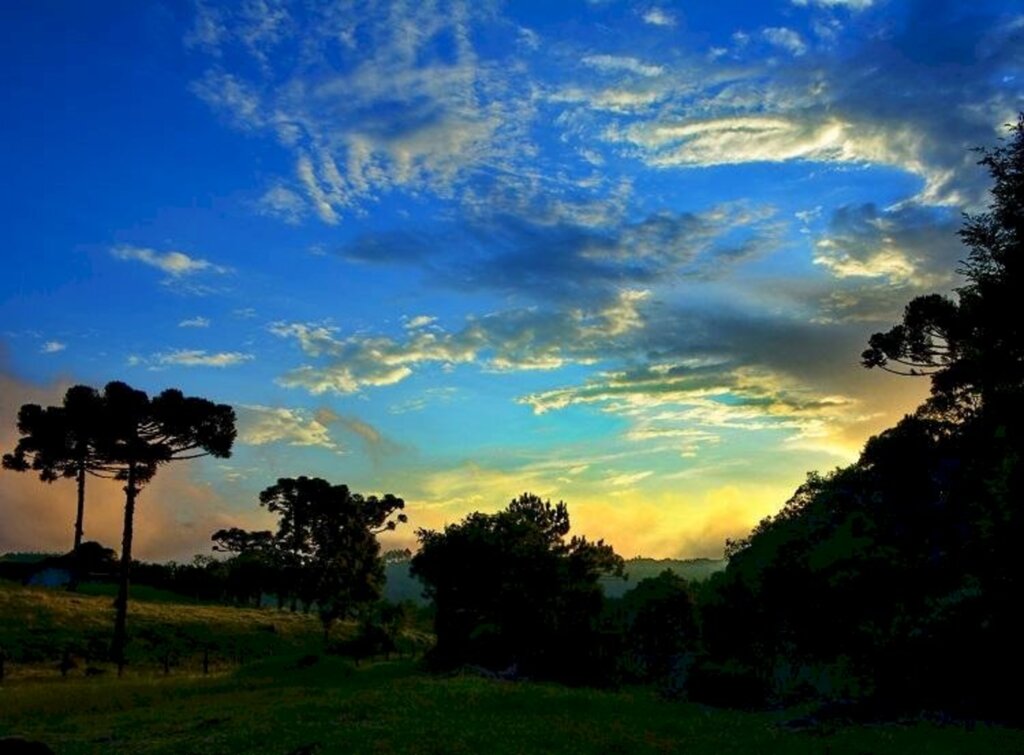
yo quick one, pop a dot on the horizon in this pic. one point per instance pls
(620, 254)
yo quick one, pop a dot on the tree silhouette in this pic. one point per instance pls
(511, 590)
(140, 435)
(328, 534)
(969, 345)
(61, 441)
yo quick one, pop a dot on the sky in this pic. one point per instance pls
(622, 254)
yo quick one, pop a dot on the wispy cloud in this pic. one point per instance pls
(52, 347)
(175, 264)
(658, 17)
(200, 358)
(195, 322)
(854, 5)
(787, 39)
(691, 403)
(384, 99)
(511, 340)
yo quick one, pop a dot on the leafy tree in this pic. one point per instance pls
(511, 589)
(253, 567)
(142, 434)
(328, 535)
(660, 625)
(61, 441)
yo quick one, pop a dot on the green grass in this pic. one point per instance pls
(279, 704)
(276, 706)
(40, 624)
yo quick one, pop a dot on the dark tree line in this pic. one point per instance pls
(895, 581)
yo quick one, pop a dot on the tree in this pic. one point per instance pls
(660, 625)
(252, 569)
(512, 590)
(329, 536)
(142, 434)
(969, 345)
(61, 441)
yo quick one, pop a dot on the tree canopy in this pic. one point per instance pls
(327, 537)
(511, 589)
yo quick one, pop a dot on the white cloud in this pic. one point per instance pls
(689, 404)
(419, 321)
(781, 138)
(619, 64)
(175, 264)
(281, 202)
(195, 322)
(52, 347)
(260, 425)
(382, 99)
(659, 17)
(785, 38)
(513, 340)
(854, 5)
(200, 358)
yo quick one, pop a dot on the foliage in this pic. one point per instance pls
(138, 436)
(511, 591)
(62, 441)
(659, 627)
(895, 581)
(326, 542)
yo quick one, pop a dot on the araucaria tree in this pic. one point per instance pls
(140, 435)
(972, 345)
(327, 535)
(61, 441)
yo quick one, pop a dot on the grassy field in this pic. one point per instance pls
(38, 626)
(295, 702)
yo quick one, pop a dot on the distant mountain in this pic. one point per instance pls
(401, 585)
(637, 569)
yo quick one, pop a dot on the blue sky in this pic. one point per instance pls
(624, 254)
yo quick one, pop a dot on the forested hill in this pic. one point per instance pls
(402, 586)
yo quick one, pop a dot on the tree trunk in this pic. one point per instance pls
(121, 603)
(76, 565)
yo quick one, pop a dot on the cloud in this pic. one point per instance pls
(175, 264)
(260, 425)
(658, 17)
(853, 5)
(195, 322)
(691, 402)
(561, 256)
(377, 100)
(52, 347)
(787, 39)
(419, 321)
(281, 202)
(619, 64)
(374, 442)
(511, 340)
(909, 245)
(200, 358)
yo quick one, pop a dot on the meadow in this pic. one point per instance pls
(280, 694)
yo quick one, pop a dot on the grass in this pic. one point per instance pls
(289, 703)
(41, 624)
